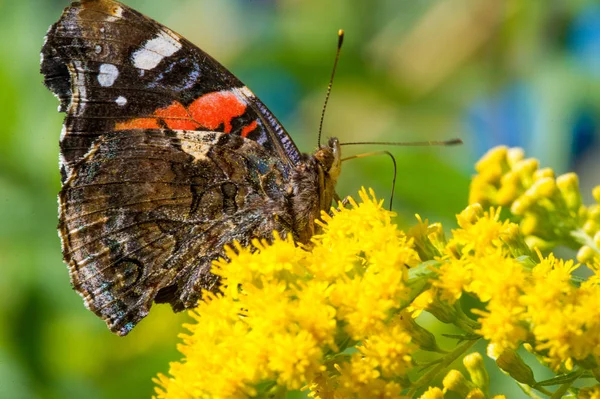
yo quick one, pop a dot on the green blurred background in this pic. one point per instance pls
(514, 72)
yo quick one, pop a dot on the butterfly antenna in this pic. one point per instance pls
(450, 142)
(337, 57)
(370, 154)
(455, 141)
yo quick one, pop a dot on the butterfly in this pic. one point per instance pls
(165, 158)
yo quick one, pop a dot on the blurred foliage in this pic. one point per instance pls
(520, 73)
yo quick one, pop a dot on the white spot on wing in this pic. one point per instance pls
(154, 50)
(121, 101)
(199, 148)
(246, 91)
(107, 75)
(63, 132)
(79, 95)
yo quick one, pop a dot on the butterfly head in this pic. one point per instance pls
(329, 157)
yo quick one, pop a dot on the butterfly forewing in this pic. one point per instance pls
(111, 66)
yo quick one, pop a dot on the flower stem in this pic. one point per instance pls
(426, 379)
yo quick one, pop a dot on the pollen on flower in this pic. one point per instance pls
(480, 232)
(284, 307)
(328, 317)
(502, 326)
(390, 350)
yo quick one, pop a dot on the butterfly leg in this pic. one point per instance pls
(342, 203)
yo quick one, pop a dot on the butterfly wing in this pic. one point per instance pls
(165, 158)
(114, 68)
(146, 211)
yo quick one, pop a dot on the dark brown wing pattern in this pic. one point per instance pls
(145, 213)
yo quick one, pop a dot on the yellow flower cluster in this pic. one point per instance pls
(338, 319)
(549, 209)
(288, 313)
(527, 298)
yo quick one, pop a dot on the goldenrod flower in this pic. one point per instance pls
(549, 209)
(339, 318)
(288, 312)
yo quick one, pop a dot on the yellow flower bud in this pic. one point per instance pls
(455, 381)
(507, 194)
(526, 167)
(492, 159)
(568, 184)
(470, 215)
(590, 227)
(537, 242)
(473, 362)
(593, 212)
(522, 204)
(597, 239)
(529, 224)
(480, 190)
(510, 179)
(432, 393)
(585, 254)
(541, 173)
(435, 233)
(511, 362)
(543, 188)
(514, 155)
(596, 193)
(475, 394)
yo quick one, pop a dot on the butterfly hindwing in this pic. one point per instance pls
(130, 235)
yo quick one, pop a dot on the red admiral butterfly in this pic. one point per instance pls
(165, 157)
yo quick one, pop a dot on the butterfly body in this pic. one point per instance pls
(166, 157)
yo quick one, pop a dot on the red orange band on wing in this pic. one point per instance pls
(248, 129)
(176, 116)
(212, 109)
(208, 111)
